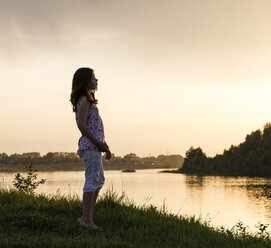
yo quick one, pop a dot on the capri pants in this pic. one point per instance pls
(94, 174)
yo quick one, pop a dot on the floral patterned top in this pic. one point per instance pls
(95, 125)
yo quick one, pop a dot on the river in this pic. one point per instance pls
(222, 200)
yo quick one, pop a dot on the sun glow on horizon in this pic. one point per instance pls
(199, 78)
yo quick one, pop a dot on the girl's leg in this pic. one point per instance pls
(94, 199)
(87, 204)
(92, 162)
(89, 200)
(96, 192)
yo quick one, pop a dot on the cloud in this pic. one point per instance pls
(49, 23)
(188, 20)
(214, 37)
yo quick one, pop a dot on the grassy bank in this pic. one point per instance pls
(40, 221)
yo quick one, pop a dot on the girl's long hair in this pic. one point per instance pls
(80, 81)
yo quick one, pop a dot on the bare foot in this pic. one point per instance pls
(88, 222)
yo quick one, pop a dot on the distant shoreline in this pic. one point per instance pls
(80, 167)
(221, 174)
(76, 167)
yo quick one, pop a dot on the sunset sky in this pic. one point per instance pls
(172, 74)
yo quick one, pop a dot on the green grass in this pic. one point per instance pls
(50, 221)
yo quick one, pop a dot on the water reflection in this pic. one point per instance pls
(231, 198)
(260, 194)
(194, 181)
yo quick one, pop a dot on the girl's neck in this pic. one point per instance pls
(90, 96)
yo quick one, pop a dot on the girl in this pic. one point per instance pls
(92, 143)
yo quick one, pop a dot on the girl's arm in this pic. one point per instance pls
(82, 120)
(106, 144)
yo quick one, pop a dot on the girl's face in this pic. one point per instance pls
(93, 83)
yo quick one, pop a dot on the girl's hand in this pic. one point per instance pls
(102, 146)
(108, 154)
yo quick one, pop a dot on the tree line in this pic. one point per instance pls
(35, 158)
(250, 158)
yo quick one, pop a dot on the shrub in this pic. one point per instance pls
(27, 184)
